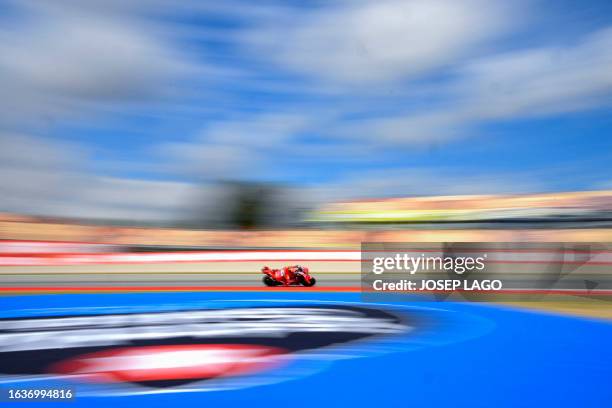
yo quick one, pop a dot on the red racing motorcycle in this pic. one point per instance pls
(295, 275)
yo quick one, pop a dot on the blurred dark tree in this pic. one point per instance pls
(250, 203)
(245, 205)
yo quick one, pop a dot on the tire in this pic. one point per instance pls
(304, 283)
(268, 281)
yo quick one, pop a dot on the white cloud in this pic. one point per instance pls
(34, 171)
(63, 60)
(240, 148)
(264, 130)
(525, 83)
(210, 161)
(57, 61)
(421, 128)
(136, 200)
(368, 42)
(45, 177)
(541, 81)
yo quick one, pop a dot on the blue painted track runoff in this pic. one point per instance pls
(459, 355)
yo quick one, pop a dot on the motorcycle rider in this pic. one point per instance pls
(286, 275)
(283, 275)
(295, 270)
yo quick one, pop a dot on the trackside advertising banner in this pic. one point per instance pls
(485, 271)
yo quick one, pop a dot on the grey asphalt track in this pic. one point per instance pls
(246, 274)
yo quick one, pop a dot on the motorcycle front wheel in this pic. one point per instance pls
(308, 284)
(268, 281)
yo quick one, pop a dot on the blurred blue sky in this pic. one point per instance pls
(344, 98)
